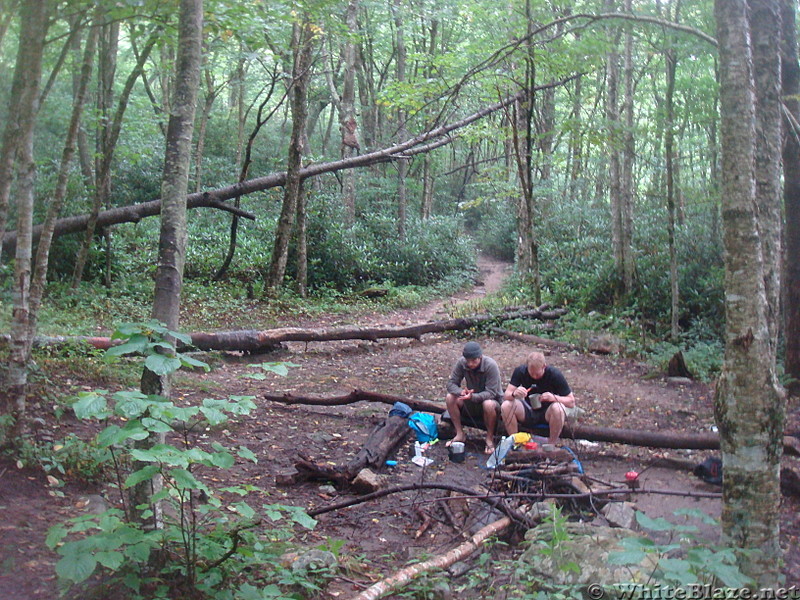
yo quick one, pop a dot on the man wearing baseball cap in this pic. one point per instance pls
(478, 401)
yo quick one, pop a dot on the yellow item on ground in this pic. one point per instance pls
(521, 438)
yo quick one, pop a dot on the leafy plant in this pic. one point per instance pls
(685, 560)
(205, 539)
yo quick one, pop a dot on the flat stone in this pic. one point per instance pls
(620, 514)
(678, 381)
(367, 482)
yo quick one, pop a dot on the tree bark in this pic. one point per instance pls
(790, 73)
(301, 72)
(28, 72)
(267, 340)
(402, 131)
(175, 182)
(347, 111)
(749, 407)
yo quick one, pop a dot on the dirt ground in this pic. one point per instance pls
(380, 534)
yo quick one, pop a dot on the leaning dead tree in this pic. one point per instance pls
(592, 433)
(271, 339)
(425, 142)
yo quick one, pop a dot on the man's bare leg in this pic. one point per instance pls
(490, 419)
(555, 417)
(454, 410)
(512, 411)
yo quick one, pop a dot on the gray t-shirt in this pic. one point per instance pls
(485, 380)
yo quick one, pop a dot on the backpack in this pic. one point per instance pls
(424, 425)
(710, 470)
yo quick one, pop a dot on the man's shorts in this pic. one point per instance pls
(472, 414)
(534, 416)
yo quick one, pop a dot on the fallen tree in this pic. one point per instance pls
(422, 143)
(270, 339)
(592, 433)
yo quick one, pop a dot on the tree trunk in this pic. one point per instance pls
(790, 72)
(108, 130)
(402, 131)
(669, 151)
(614, 159)
(43, 249)
(627, 193)
(347, 111)
(749, 407)
(303, 49)
(174, 185)
(19, 135)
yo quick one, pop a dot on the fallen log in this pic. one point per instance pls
(592, 433)
(383, 440)
(530, 339)
(405, 575)
(270, 339)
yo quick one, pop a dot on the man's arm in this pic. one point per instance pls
(456, 377)
(568, 400)
(494, 390)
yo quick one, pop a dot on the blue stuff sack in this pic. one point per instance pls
(400, 409)
(424, 425)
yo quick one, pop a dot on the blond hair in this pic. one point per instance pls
(536, 359)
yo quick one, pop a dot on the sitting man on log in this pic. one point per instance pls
(537, 394)
(478, 402)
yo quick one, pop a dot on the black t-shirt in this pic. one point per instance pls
(552, 381)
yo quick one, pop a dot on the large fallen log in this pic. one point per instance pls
(383, 440)
(270, 339)
(403, 576)
(592, 433)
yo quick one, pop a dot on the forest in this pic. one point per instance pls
(171, 169)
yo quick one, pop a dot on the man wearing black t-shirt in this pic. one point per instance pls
(537, 394)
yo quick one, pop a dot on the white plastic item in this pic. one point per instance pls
(500, 452)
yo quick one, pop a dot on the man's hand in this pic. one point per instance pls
(466, 395)
(521, 392)
(549, 397)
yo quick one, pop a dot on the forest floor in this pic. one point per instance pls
(380, 535)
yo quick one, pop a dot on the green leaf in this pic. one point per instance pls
(54, 535)
(161, 364)
(136, 344)
(628, 557)
(114, 434)
(184, 479)
(223, 460)
(76, 565)
(247, 454)
(110, 560)
(90, 405)
(188, 361)
(156, 426)
(213, 416)
(142, 474)
(659, 524)
(245, 510)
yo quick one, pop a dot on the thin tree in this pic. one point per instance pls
(303, 36)
(174, 185)
(28, 72)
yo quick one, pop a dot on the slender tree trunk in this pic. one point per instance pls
(669, 151)
(749, 407)
(108, 130)
(205, 115)
(627, 187)
(174, 185)
(28, 71)
(614, 159)
(428, 179)
(402, 131)
(302, 39)
(43, 249)
(790, 73)
(347, 113)
(301, 244)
